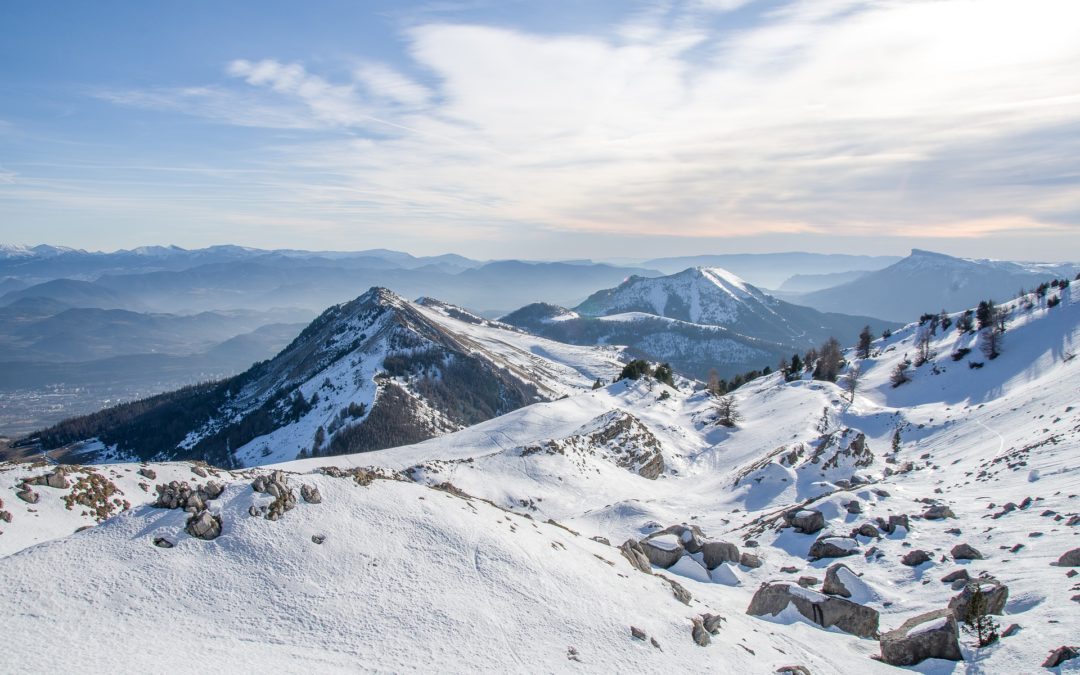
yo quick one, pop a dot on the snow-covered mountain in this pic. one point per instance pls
(929, 282)
(617, 529)
(699, 319)
(375, 372)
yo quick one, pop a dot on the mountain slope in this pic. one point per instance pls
(928, 282)
(375, 372)
(698, 320)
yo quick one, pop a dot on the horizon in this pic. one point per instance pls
(516, 131)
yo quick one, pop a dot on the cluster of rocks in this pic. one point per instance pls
(704, 627)
(638, 634)
(181, 495)
(55, 479)
(666, 547)
(276, 485)
(204, 525)
(825, 610)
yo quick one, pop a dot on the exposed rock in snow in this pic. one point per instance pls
(932, 635)
(1061, 655)
(915, 558)
(204, 525)
(995, 593)
(807, 521)
(833, 547)
(824, 610)
(1070, 558)
(965, 552)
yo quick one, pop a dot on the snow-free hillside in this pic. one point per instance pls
(375, 372)
(415, 575)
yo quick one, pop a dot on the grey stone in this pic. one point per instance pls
(965, 552)
(915, 558)
(854, 507)
(823, 610)
(204, 525)
(868, 530)
(833, 584)
(318, 538)
(807, 582)
(689, 536)
(632, 551)
(601, 540)
(712, 622)
(637, 633)
(1012, 630)
(311, 494)
(807, 521)
(1060, 655)
(716, 552)
(749, 560)
(147, 472)
(938, 512)
(162, 542)
(956, 575)
(995, 593)
(698, 632)
(659, 555)
(1070, 558)
(28, 496)
(894, 521)
(198, 471)
(792, 670)
(909, 644)
(833, 547)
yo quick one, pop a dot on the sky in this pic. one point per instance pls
(545, 129)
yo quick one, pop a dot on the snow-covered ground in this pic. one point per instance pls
(414, 576)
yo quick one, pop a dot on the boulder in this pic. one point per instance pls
(807, 521)
(318, 538)
(834, 580)
(1070, 558)
(824, 610)
(749, 560)
(915, 558)
(28, 496)
(198, 471)
(689, 536)
(663, 551)
(633, 552)
(212, 490)
(204, 525)
(1060, 655)
(854, 507)
(894, 521)
(995, 593)
(637, 633)
(966, 552)
(792, 670)
(598, 539)
(808, 581)
(678, 590)
(956, 575)
(932, 635)
(833, 547)
(717, 552)
(698, 632)
(938, 512)
(162, 542)
(867, 530)
(712, 622)
(147, 472)
(311, 494)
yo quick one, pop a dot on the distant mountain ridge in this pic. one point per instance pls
(928, 282)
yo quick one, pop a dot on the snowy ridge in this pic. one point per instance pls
(985, 456)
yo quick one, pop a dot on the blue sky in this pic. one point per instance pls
(545, 130)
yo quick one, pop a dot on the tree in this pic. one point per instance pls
(796, 368)
(901, 373)
(598, 384)
(851, 381)
(896, 440)
(635, 370)
(727, 413)
(320, 438)
(977, 620)
(966, 322)
(991, 342)
(922, 343)
(829, 360)
(663, 373)
(714, 382)
(984, 314)
(865, 338)
(944, 319)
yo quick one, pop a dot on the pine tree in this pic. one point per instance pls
(977, 620)
(966, 322)
(900, 374)
(663, 373)
(896, 440)
(727, 414)
(829, 360)
(984, 314)
(865, 338)
(598, 384)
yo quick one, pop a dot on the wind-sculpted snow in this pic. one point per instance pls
(474, 550)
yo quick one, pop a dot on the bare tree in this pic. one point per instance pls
(851, 381)
(727, 414)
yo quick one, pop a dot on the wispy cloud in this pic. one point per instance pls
(848, 117)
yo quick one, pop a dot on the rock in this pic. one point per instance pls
(690, 537)
(965, 552)
(311, 494)
(637, 633)
(162, 542)
(654, 643)
(807, 521)
(928, 636)
(204, 525)
(1070, 558)
(1060, 655)
(833, 547)
(824, 610)
(895, 521)
(598, 538)
(1070, 573)
(854, 507)
(884, 494)
(180, 495)
(954, 530)
(938, 512)
(5, 516)
(1012, 630)
(318, 538)
(807, 582)
(789, 570)
(956, 575)
(915, 558)
(28, 496)
(677, 589)
(698, 632)
(212, 490)
(995, 593)
(662, 552)
(147, 472)
(749, 560)
(716, 552)
(712, 622)
(792, 670)
(56, 480)
(867, 530)
(751, 543)
(834, 584)
(632, 551)
(198, 471)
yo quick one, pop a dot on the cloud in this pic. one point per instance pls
(925, 118)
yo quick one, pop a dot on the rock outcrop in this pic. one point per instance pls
(824, 610)
(833, 547)
(807, 521)
(933, 635)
